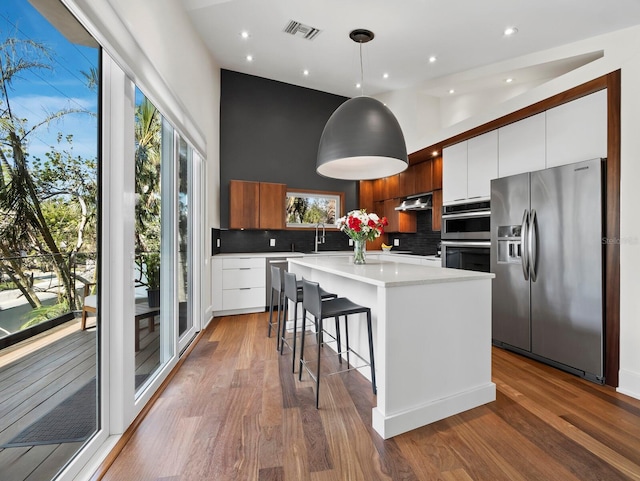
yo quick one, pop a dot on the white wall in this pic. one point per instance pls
(621, 51)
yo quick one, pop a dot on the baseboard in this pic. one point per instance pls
(418, 416)
(629, 383)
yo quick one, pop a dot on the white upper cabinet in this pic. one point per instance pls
(577, 130)
(572, 132)
(521, 146)
(454, 173)
(482, 164)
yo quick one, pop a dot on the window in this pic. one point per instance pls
(51, 319)
(309, 208)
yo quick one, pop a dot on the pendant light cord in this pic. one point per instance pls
(361, 73)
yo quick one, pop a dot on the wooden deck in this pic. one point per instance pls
(36, 376)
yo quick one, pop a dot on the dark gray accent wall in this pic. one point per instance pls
(269, 132)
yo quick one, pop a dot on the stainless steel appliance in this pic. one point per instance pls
(469, 255)
(546, 253)
(465, 236)
(466, 221)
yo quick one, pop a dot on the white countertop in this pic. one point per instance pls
(261, 254)
(320, 253)
(386, 273)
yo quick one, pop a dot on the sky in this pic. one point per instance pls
(44, 91)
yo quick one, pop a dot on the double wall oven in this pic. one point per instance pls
(466, 236)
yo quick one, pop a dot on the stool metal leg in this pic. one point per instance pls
(270, 315)
(337, 320)
(295, 334)
(304, 316)
(318, 371)
(284, 325)
(346, 333)
(371, 361)
(280, 298)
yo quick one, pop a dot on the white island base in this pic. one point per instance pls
(432, 336)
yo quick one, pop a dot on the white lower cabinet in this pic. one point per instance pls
(239, 284)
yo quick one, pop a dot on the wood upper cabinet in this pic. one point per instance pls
(407, 182)
(244, 204)
(366, 200)
(256, 205)
(398, 221)
(436, 210)
(391, 187)
(437, 172)
(378, 188)
(423, 177)
(272, 205)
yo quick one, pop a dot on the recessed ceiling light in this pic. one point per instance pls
(432, 59)
(451, 91)
(249, 58)
(385, 75)
(244, 34)
(305, 72)
(358, 85)
(508, 80)
(509, 31)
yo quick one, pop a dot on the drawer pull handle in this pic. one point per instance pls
(245, 268)
(245, 288)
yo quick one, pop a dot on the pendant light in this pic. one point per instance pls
(362, 139)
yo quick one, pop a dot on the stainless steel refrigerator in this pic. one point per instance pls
(547, 256)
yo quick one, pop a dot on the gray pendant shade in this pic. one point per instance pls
(362, 140)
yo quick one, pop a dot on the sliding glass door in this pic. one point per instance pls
(51, 321)
(164, 242)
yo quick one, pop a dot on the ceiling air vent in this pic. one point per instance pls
(298, 29)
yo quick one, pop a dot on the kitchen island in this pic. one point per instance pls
(432, 335)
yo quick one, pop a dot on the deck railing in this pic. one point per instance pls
(32, 295)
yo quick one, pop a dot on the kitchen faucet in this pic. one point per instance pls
(317, 240)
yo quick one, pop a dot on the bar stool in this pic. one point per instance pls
(294, 294)
(335, 308)
(277, 285)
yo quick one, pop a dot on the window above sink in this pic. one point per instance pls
(307, 209)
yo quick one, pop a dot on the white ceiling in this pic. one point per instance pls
(462, 34)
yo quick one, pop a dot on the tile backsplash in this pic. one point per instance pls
(423, 242)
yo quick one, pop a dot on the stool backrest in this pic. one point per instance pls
(276, 279)
(311, 300)
(290, 287)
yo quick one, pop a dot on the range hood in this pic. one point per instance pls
(416, 202)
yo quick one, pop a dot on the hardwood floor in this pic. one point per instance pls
(234, 411)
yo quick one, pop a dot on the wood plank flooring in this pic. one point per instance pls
(234, 411)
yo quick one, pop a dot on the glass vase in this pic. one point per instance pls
(359, 250)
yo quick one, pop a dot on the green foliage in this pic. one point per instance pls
(148, 132)
(7, 286)
(31, 190)
(150, 267)
(311, 210)
(44, 313)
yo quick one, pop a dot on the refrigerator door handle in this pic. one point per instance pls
(533, 245)
(524, 231)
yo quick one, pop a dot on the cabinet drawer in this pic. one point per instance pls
(243, 298)
(243, 277)
(241, 262)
